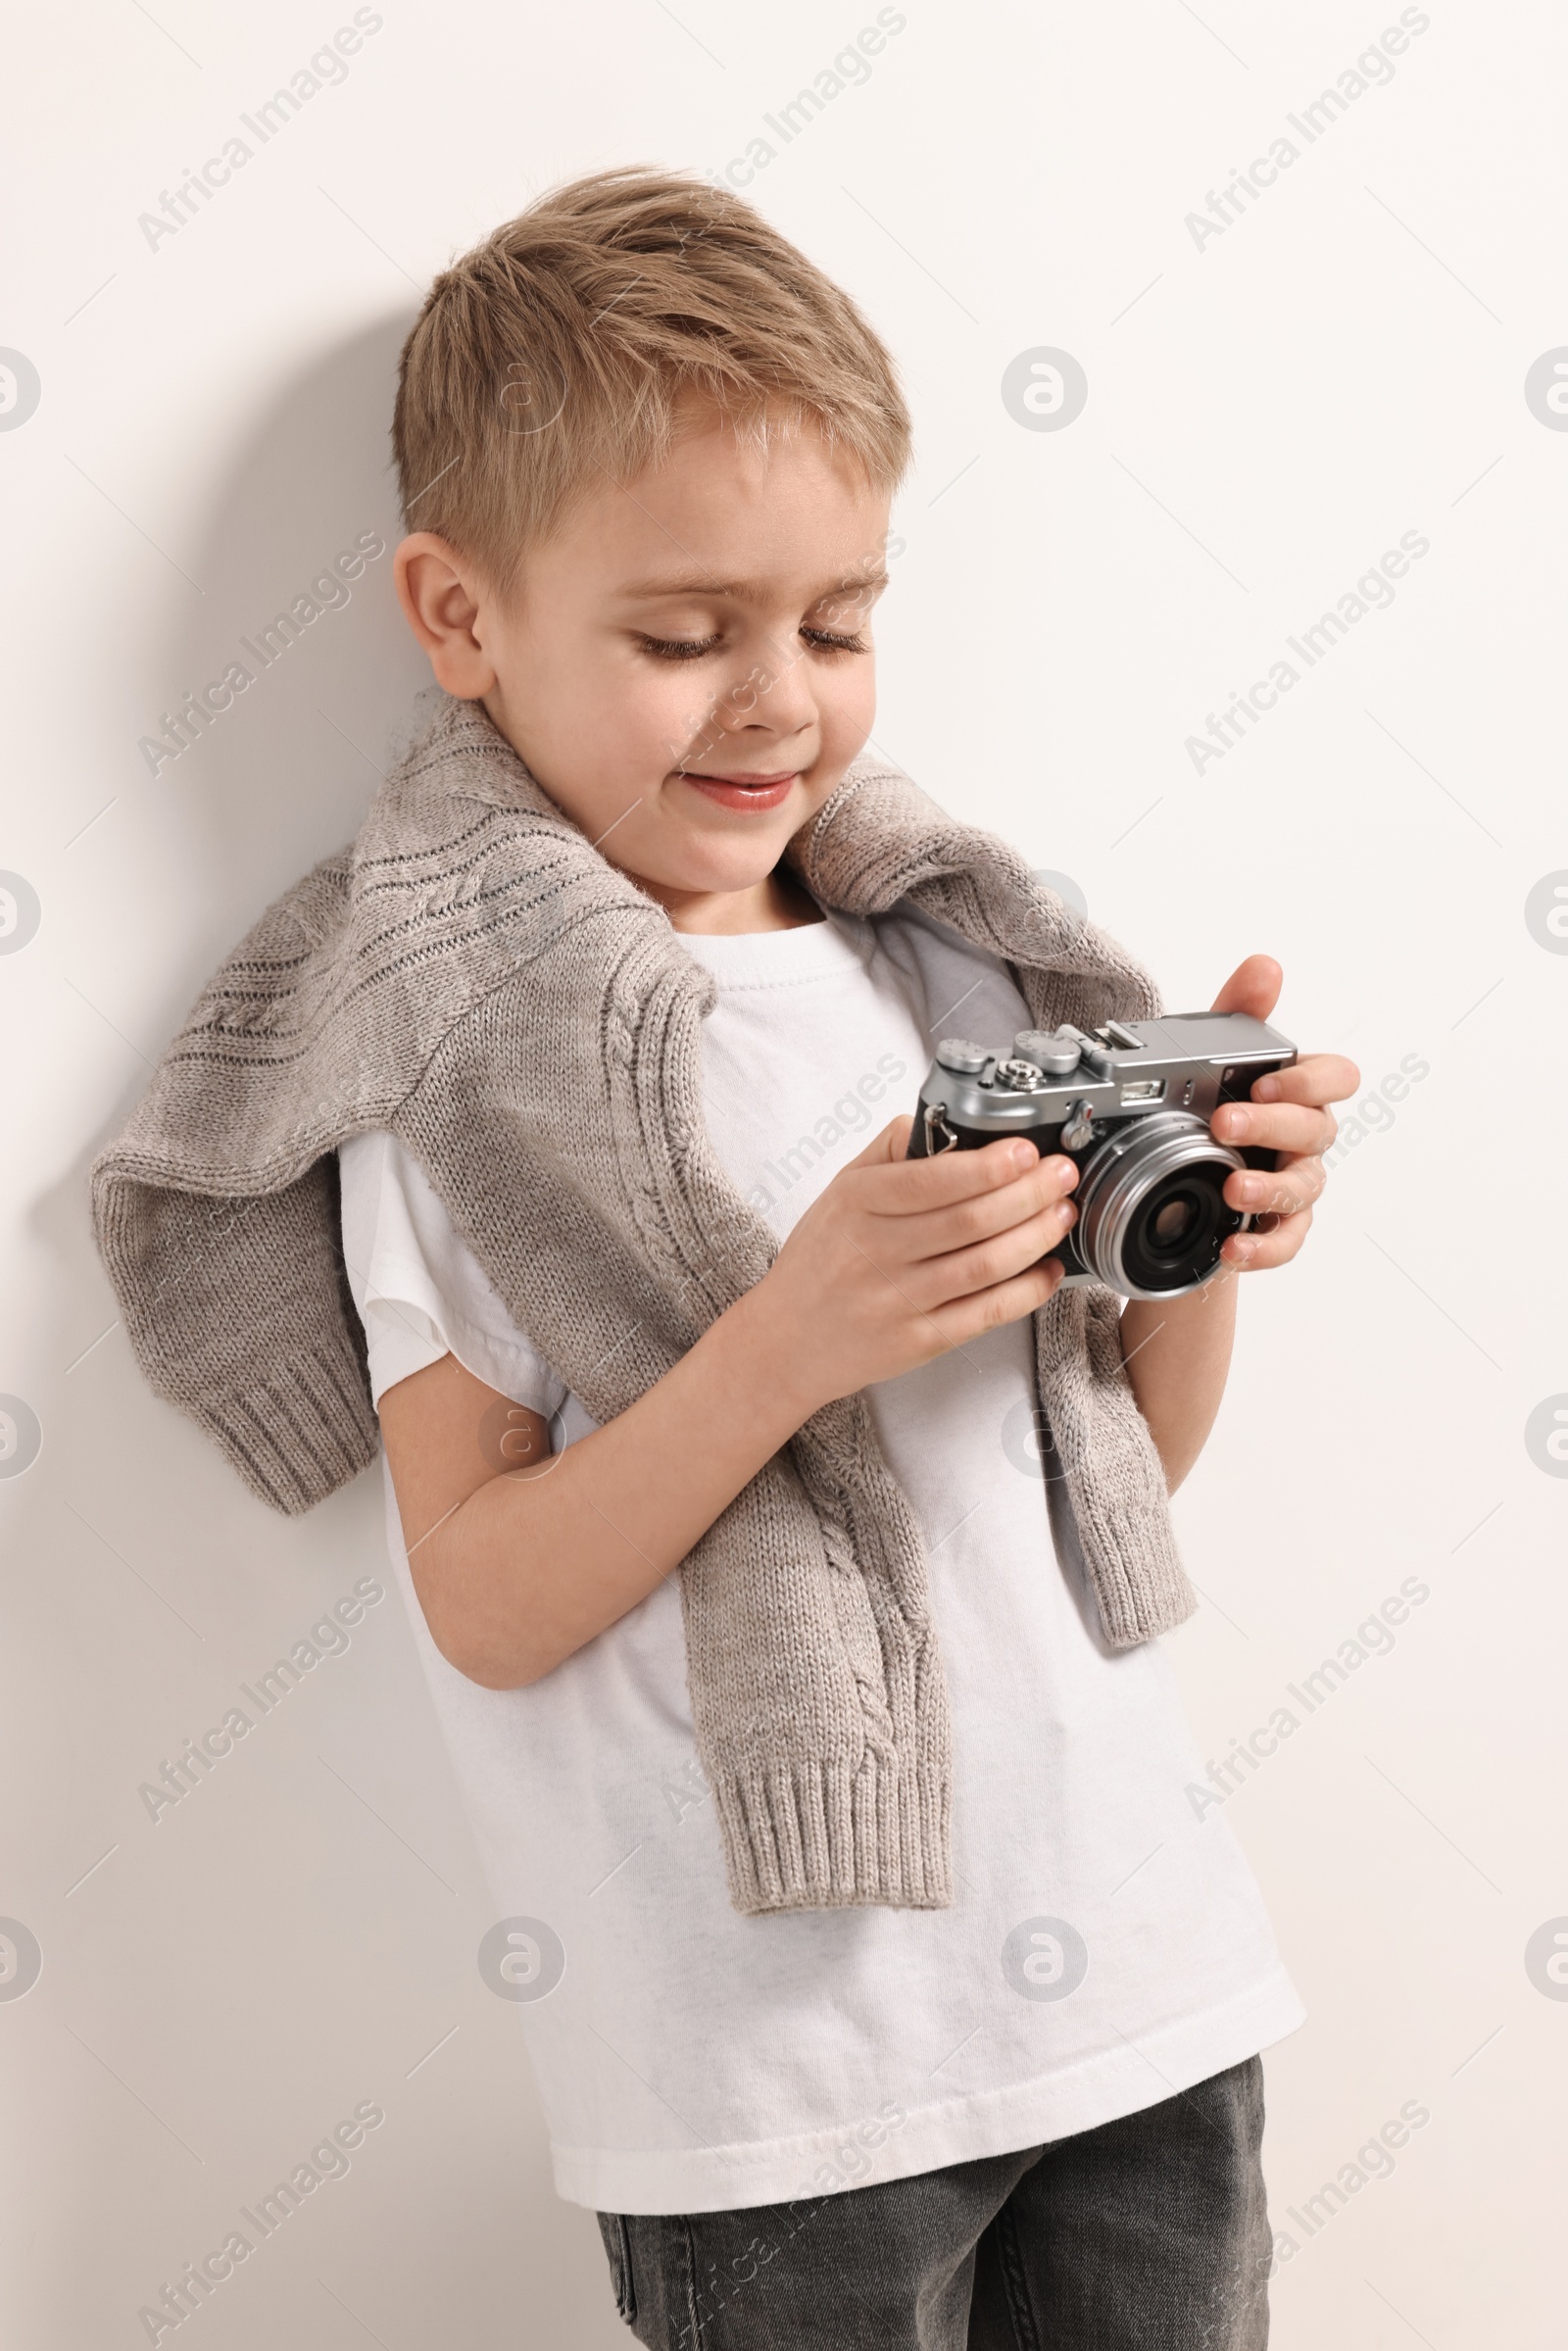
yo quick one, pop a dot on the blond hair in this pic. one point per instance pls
(556, 354)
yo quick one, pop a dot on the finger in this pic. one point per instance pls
(1291, 1127)
(915, 1186)
(971, 1317)
(890, 1149)
(1000, 1256)
(890, 1144)
(1316, 1078)
(1255, 1252)
(1254, 987)
(962, 1223)
(1280, 1194)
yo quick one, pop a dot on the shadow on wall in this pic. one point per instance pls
(269, 707)
(271, 1931)
(279, 694)
(232, 796)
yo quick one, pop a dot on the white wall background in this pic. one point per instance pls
(1266, 414)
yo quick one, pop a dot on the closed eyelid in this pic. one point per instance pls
(830, 640)
(842, 610)
(839, 628)
(677, 647)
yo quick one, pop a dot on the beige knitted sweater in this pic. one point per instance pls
(475, 976)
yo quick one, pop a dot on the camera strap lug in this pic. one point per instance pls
(936, 1122)
(1079, 1127)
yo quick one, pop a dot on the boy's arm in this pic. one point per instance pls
(1178, 1350)
(519, 1556)
(1178, 1357)
(616, 1511)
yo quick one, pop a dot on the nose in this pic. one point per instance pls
(773, 695)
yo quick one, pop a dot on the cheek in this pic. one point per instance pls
(662, 713)
(595, 713)
(846, 703)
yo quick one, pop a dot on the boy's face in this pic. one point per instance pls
(685, 666)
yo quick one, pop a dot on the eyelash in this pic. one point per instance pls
(691, 649)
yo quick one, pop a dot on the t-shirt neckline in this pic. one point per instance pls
(807, 948)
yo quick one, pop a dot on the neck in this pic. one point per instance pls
(777, 903)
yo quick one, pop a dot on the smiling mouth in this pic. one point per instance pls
(741, 783)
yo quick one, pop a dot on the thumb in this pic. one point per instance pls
(1254, 987)
(890, 1145)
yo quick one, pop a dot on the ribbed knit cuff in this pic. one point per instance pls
(822, 1837)
(1138, 1578)
(298, 1437)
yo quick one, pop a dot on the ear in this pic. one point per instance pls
(443, 602)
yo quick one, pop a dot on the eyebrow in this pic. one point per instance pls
(702, 583)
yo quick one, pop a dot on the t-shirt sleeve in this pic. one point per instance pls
(420, 1289)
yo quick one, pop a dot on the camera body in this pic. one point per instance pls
(1131, 1102)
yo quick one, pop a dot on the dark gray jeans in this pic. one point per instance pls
(1150, 2234)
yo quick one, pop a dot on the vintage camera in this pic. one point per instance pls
(1131, 1102)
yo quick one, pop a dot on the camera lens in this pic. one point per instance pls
(1174, 1234)
(1151, 1212)
(1167, 1227)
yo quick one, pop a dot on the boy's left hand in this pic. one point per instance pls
(1286, 1113)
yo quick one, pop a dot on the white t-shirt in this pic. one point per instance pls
(1105, 1948)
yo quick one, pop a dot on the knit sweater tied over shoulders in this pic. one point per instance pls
(474, 976)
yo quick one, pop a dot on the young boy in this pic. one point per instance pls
(786, 1548)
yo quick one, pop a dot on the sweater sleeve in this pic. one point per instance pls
(238, 1310)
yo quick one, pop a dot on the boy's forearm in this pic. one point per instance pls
(538, 1563)
(1177, 1356)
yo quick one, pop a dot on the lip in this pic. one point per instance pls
(741, 792)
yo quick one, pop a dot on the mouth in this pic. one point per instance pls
(742, 791)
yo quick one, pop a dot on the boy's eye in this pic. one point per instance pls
(691, 649)
(678, 648)
(829, 640)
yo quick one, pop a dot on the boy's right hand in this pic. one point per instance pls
(899, 1260)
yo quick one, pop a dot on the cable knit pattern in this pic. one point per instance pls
(473, 975)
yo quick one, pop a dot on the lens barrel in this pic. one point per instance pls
(1151, 1215)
